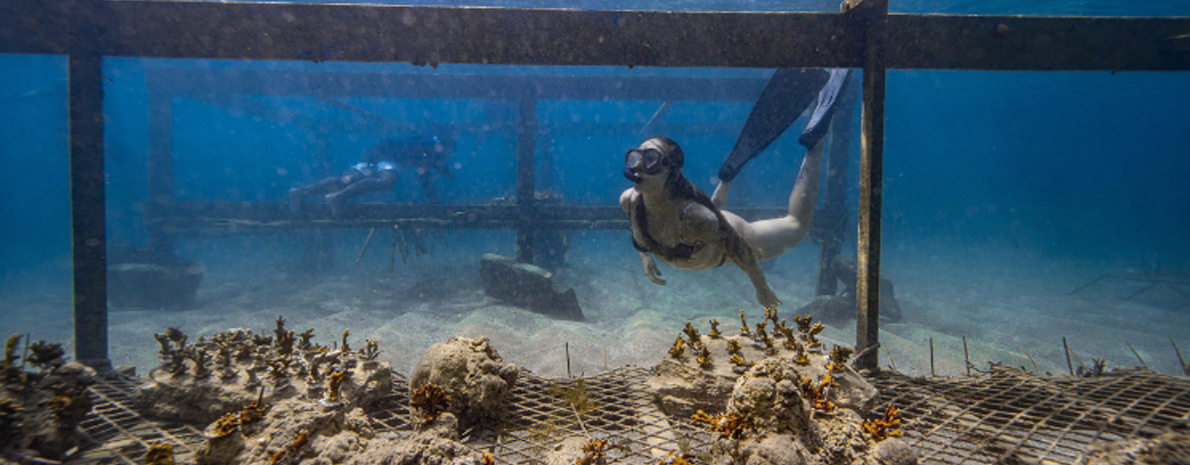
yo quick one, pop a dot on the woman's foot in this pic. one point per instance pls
(295, 201)
(336, 201)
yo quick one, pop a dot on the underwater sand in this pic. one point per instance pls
(1005, 302)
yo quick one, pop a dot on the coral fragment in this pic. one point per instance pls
(431, 400)
(885, 427)
(160, 453)
(727, 424)
(678, 348)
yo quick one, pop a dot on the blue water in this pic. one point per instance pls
(1088, 167)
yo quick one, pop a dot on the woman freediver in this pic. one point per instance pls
(679, 224)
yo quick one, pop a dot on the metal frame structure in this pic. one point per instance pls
(1001, 415)
(866, 36)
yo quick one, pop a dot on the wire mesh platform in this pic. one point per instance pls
(1001, 416)
(614, 405)
(114, 433)
(1007, 415)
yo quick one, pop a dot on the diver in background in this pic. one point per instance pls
(377, 172)
(673, 220)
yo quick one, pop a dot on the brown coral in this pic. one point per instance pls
(431, 400)
(284, 338)
(678, 349)
(704, 358)
(714, 333)
(232, 422)
(674, 459)
(817, 394)
(814, 330)
(370, 351)
(885, 427)
(160, 453)
(727, 424)
(741, 365)
(333, 394)
(306, 336)
(298, 442)
(692, 334)
(224, 426)
(593, 452)
(45, 356)
(770, 313)
(10, 351)
(839, 357)
(255, 410)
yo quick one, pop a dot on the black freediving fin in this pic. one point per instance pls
(784, 98)
(824, 107)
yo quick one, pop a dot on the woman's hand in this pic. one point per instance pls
(651, 268)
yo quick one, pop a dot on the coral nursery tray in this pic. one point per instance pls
(982, 419)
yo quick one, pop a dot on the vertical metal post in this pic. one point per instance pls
(87, 214)
(161, 163)
(526, 175)
(319, 254)
(548, 170)
(834, 206)
(874, 14)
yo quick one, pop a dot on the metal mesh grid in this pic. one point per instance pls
(620, 409)
(1007, 414)
(115, 433)
(999, 416)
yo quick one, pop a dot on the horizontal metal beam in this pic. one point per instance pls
(203, 82)
(356, 124)
(248, 216)
(34, 27)
(431, 35)
(1022, 43)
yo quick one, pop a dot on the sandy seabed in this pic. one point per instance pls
(1008, 304)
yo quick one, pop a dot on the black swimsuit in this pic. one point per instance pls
(682, 251)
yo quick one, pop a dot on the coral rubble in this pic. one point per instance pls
(472, 374)
(577, 450)
(40, 409)
(201, 381)
(782, 399)
(767, 421)
(300, 430)
(325, 423)
(682, 385)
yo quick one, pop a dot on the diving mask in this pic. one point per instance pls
(647, 159)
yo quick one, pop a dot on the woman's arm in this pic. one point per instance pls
(646, 259)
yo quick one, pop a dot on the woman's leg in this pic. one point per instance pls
(323, 187)
(719, 198)
(770, 238)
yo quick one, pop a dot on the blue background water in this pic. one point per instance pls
(1087, 166)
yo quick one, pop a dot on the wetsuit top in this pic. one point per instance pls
(421, 151)
(357, 172)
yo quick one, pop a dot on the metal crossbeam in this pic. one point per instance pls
(432, 35)
(195, 83)
(90, 30)
(183, 216)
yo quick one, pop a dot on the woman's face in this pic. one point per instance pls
(645, 166)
